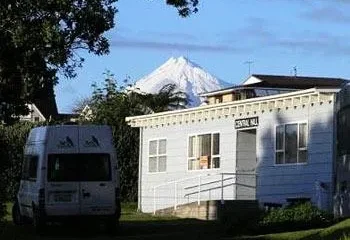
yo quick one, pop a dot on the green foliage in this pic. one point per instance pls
(38, 38)
(12, 142)
(111, 104)
(301, 216)
(168, 98)
(184, 7)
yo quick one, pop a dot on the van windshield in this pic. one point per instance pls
(79, 167)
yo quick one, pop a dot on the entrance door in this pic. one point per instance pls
(246, 164)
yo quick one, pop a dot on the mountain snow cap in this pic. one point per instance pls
(188, 76)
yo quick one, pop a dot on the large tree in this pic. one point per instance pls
(111, 104)
(185, 7)
(168, 98)
(39, 38)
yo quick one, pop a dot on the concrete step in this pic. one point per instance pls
(211, 210)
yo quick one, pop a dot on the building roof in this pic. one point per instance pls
(45, 101)
(234, 109)
(295, 82)
(282, 82)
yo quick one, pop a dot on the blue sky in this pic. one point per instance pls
(276, 35)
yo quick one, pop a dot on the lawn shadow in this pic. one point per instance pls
(158, 229)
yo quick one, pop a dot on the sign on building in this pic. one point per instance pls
(247, 122)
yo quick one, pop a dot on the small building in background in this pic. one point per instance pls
(34, 115)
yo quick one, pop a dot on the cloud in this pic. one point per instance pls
(263, 35)
(254, 32)
(163, 46)
(331, 13)
(256, 28)
(314, 43)
(170, 35)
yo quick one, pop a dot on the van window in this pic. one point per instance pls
(30, 167)
(79, 167)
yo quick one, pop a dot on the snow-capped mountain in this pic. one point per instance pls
(188, 77)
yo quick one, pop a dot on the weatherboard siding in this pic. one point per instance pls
(275, 183)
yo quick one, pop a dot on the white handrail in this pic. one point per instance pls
(175, 182)
(199, 190)
(175, 190)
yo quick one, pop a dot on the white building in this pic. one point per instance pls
(34, 114)
(273, 138)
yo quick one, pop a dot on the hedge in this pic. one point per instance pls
(296, 217)
(12, 142)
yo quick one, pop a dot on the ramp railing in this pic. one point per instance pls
(204, 183)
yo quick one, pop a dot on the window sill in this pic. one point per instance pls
(289, 164)
(203, 170)
(155, 173)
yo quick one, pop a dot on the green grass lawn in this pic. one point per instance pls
(129, 214)
(338, 231)
(134, 225)
(146, 226)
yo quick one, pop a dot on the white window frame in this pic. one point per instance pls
(196, 151)
(157, 155)
(284, 143)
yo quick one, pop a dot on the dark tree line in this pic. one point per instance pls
(40, 38)
(111, 104)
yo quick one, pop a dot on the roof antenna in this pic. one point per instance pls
(249, 63)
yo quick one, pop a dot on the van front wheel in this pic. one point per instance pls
(38, 220)
(17, 217)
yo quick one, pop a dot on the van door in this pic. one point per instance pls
(63, 186)
(28, 187)
(97, 184)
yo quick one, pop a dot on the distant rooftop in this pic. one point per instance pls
(296, 82)
(283, 82)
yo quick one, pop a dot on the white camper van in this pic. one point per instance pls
(69, 171)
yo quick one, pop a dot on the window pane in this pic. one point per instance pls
(302, 135)
(79, 167)
(216, 144)
(291, 143)
(25, 168)
(204, 142)
(190, 164)
(216, 162)
(162, 146)
(279, 158)
(33, 164)
(191, 145)
(63, 168)
(279, 137)
(302, 156)
(193, 164)
(153, 147)
(152, 164)
(94, 167)
(162, 164)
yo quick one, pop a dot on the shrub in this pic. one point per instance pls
(296, 217)
(12, 141)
